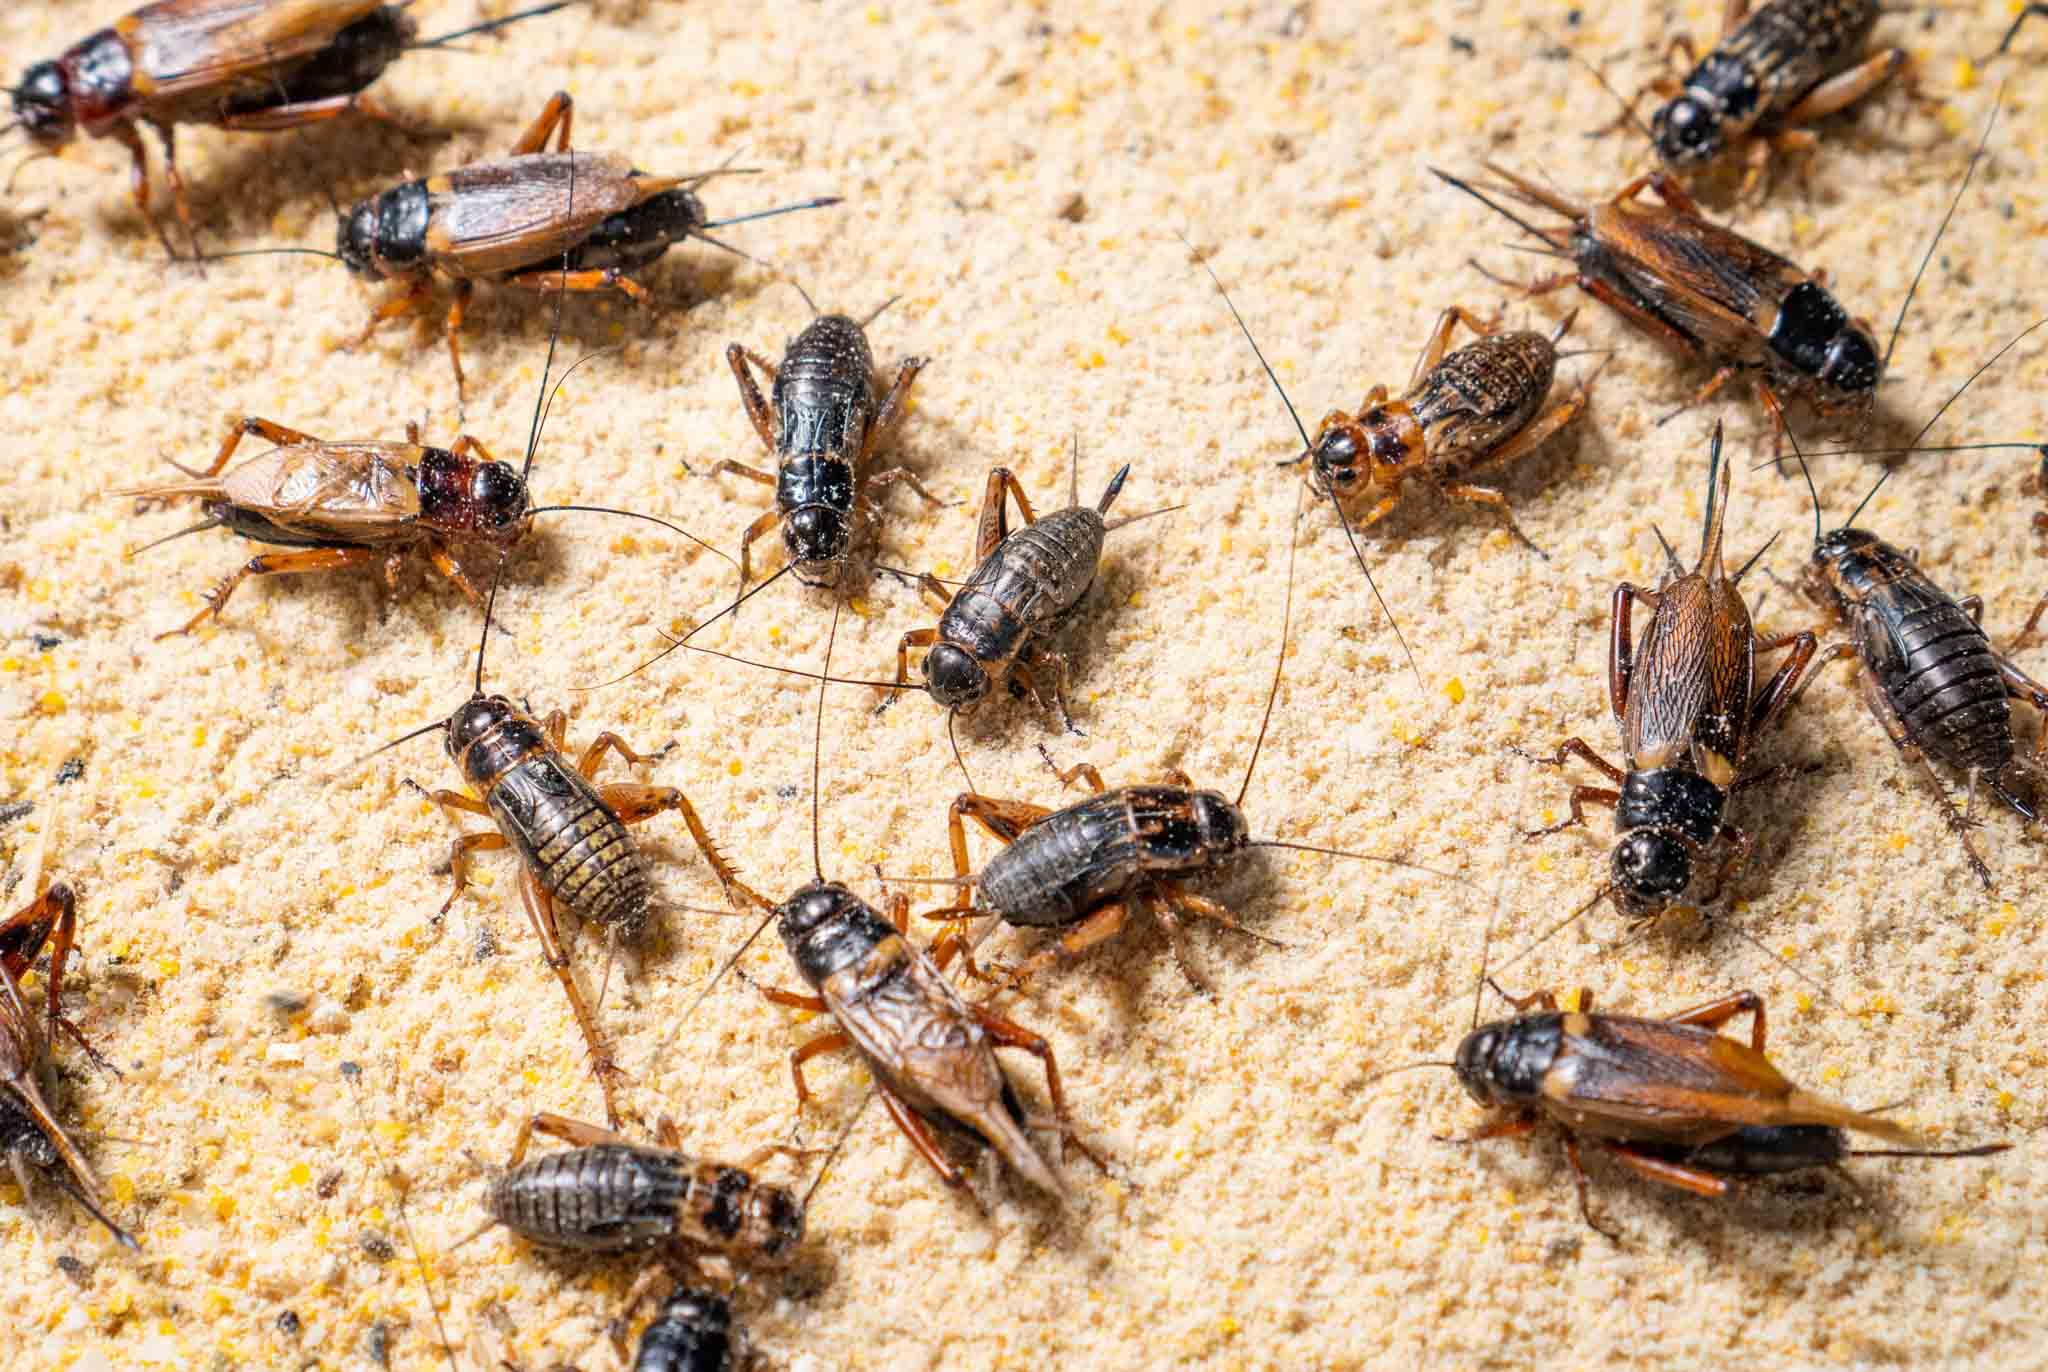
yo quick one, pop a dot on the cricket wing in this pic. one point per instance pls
(1668, 692)
(506, 216)
(357, 492)
(1716, 285)
(229, 47)
(924, 1043)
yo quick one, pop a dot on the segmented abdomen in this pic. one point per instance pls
(1948, 690)
(609, 1197)
(1484, 392)
(1034, 575)
(579, 850)
(1065, 864)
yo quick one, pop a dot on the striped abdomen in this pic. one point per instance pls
(576, 846)
(613, 1197)
(1034, 575)
(1779, 53)
(1483, 393)
(605, 1198)
(1937, 669)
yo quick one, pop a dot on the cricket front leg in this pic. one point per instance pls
(916, 638)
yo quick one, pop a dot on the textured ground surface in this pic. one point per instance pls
(1016, 177)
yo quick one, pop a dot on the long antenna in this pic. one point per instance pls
(1280, 663)
(833, 1155)
(1524, 225)
(351, 1072)
(1971, 381)
(675, 643)
(1954, 204)
(491, 25)
(818, 741)
(633, 514)
(1307, 446)
(815, 203)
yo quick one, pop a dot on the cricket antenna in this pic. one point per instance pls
(1972, 380)
(1524, 225)
(1953, 206)
(490, 25)
(675, 642)
(633, 514)
(1628, 109)
(700, 233)
(877, 312)
(352, 1073)
(1280, 663)
(1982, 1150)
(272, 252)
(833, 1156)
(1603, 893)
(1307, 446)
(818, 742)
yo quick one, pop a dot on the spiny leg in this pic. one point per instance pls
(443, 562)
(540, 911)
(824, 1043)
(575, 1133)
(1004, 819)
(240, 427)
(138, 181)
(1915, 759)
(1783, 687)
(458, 304)
(738, 356)
(634, 803)
(50, 919)
(889, 476)
(891, 408)
(1440, 342)
(272, 564)
(179, 202)
(1571, 1153)
(1084, 770)
(303, 112)
(919, 1132)
(1570, 748)
(1582, 796)
(1511, 1127)
(1668, 1173)
(1538, 430)
(1009, 1034)
(1098, 927)
(587, 281)
(405, 302)
(994, 525)
(1489, 495)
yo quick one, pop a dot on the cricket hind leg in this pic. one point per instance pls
(1005, 1033)
(272, 564)
(1916, 762)
(540, 912)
